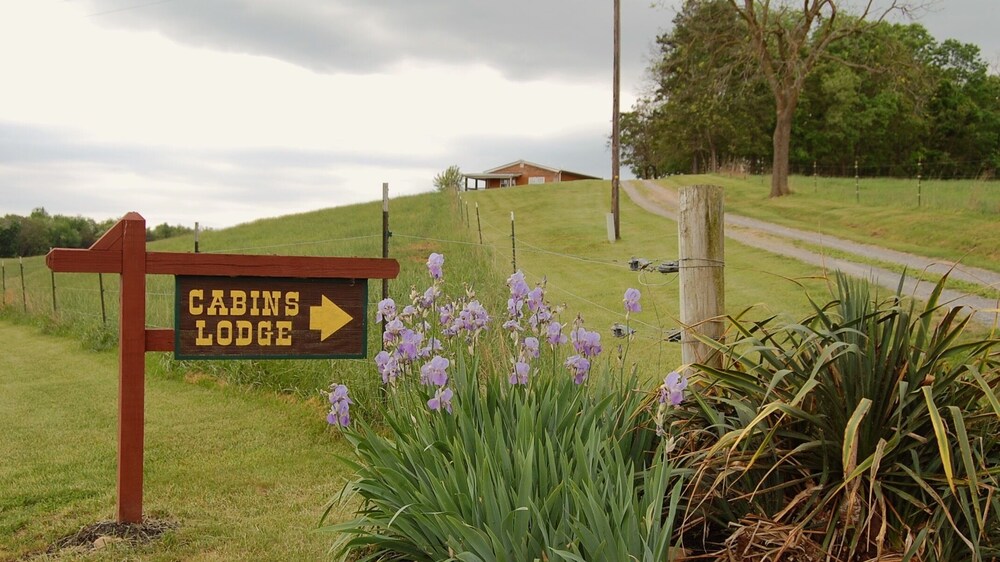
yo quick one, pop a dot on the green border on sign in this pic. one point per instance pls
(364, 322)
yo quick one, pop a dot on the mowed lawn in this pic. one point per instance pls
(245, 474)
(957, 220)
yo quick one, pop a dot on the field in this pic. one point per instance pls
(957, 220)
(239, 452)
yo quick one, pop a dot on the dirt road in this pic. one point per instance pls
(779, 240)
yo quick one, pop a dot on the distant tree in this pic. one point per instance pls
(964, 135)
(788, 39)
(450, 179)
(10, 233)
(165, 230)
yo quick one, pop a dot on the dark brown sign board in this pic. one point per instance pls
(270, 318)
(122, 250)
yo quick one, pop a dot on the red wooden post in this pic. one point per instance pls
(132, 368)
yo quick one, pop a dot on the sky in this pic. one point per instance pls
(226, 111)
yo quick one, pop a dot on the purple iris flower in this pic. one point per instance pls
(340, 406)
(672, 389)
(631, 300)
(531, 347)
(433, 372)
(426, 301)
(578, 366)
(554, 334)
(441, 399)
(586, 343)
(540, 317)
(393, 329)
(409, 344)
(388, 366)
(434, 263)
(520, 373)
(536, 299)
(472, 318)
(386, 310)
(518, 286)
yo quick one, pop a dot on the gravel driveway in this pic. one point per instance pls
(779, 240)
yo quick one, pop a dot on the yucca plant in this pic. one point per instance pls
(545, 459)
(867, 431)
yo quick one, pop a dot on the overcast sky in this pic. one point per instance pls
(225, 111)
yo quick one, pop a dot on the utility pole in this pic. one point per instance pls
(615, 133)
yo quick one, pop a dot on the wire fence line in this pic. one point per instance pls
(30, 300)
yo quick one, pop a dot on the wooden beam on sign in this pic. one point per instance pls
(64, 260)
(159, 339)
(112, 239)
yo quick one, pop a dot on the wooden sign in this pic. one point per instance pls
(270, 318)
(122, 250)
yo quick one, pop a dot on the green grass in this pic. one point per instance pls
(355, 230)
(245, 474)
(555, 224)
(957, 221)
(246, 470)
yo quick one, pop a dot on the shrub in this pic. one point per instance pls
(867, 430)
(541, 462)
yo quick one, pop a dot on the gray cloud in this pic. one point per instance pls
(524, 39)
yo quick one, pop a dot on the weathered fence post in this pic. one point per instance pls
(701, 237)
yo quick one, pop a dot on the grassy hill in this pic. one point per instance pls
(238, 449)
(956, 220)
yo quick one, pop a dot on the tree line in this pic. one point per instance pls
(884, 98)
(36, 233)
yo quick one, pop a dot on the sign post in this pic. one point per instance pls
(228, 307)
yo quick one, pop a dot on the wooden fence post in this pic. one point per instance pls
(701, 236)
(132, 368)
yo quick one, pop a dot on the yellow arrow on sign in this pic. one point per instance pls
(327, 318)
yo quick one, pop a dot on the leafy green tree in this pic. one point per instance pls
(964, 128)
(450, 179)
(707, 100)
(788, 40)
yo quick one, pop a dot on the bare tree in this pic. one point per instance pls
(788, 38)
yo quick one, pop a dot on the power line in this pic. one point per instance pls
(126, 8)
